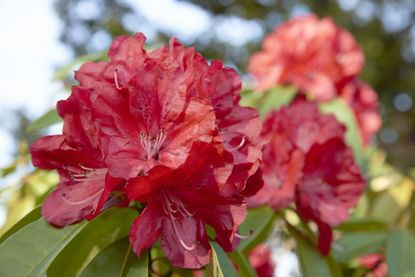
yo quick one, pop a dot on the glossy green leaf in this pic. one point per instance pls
(30, 251)
(345, 115)
(29, 218)
(256, 226)
(118, 260)
(353, 245)
(400, 253)
(46, 120)
(245, 268)
(220, 264)
(312, 264)
(103, 230)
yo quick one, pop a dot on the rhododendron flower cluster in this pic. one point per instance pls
(323, 61)
(163, 128)
(306, 162)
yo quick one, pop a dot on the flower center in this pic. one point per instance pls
(176, 210)
(152, 144)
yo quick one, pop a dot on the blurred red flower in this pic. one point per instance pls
(306, 161)
(376, 264)
(364, 102)
(261, 260)
(315, 55)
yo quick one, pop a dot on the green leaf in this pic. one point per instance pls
(46, 120)
(362, 225)
(118, 260)
(400, 253)
(29, 218)
(30, 251)
(245, 268)
(271, 99)
(312, 264)
(220, 265)
(345, 115)
(257, 226)
(103, 230)
(353, 245)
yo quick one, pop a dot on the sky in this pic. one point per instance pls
(29, 51)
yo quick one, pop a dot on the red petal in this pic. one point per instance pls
(72, 202)
(146, 228)
(325, 237)
(185, 242)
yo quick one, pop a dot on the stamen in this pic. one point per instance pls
(171, 205)
(152, 145)
(239, 236)
(117, 84)
(243, 140)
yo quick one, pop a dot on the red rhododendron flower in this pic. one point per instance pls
(152, 106)
(289, 133)
(170, 125)
(306, 161)
(313, 54)
(85, 185)
(261, 260)
(331, 185)
(376, 264)
(179, 204)
(365, 104)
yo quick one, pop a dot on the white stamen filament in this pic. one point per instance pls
(171, 206)
(239, 236)
(152, 145)
(117, 84)
(243, 140)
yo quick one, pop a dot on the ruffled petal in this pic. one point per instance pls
(146, 228)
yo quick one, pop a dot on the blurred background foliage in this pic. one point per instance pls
(384, 28)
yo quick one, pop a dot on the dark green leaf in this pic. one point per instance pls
(353, 245)
(103, 230)
(46, 120)
(312, 264)
(220, 265)
(362, 225)
(400, 253)
(118, 260)
(30, 251)
(257, 226)
(29, 218)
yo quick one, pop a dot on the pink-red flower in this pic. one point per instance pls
(85, 186)
(315, 55)
(179, 204)
(306, 162)
(376, 264)
(261, 260)
(169, 125)
(364, 102)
